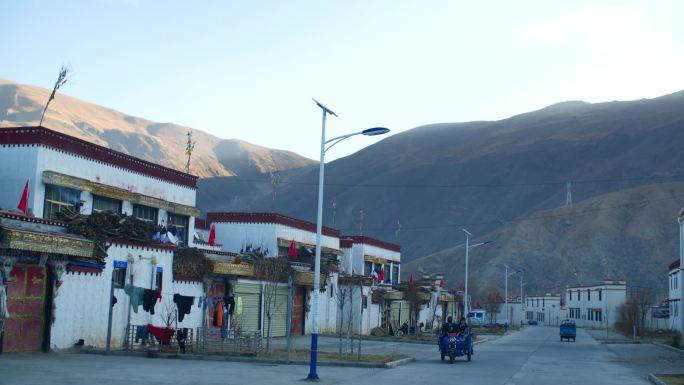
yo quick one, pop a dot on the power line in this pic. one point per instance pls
(538, 217)
(468, 185)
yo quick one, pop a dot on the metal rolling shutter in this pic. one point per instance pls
(405, 311)
(279, 314)
(248, 306)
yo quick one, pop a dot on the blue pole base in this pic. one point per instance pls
(313, 376)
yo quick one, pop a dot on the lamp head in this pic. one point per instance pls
(375, 131)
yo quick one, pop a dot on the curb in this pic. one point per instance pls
(655, 380)
(197, 357)
(384, 339)
(397, 363)
(677, 350)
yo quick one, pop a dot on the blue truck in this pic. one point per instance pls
(568, 330)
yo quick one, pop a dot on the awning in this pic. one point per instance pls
(226, 268)
(42, 242)
(382, 261)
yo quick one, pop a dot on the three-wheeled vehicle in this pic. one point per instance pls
(455, 345)
(568, 330)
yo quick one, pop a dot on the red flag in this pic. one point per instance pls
(23, 203)
(293, 250)
(382, 274)
(212, 235)
(411, 280)
(441, 283)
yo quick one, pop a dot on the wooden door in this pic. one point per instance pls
(298, 311)
(25, 303)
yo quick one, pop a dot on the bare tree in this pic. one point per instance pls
(632, 315)
(492, 304)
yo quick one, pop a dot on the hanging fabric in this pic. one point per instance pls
(149, 300)
(184, 305)
(136, 296)
(4, 313)
(163, 335)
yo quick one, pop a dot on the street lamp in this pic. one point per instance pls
(506, 291)
(465, 285)
(319, 225)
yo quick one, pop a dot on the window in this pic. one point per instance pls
(579, 295)
(119, 274)
(368, 268)
(543, 302)
(537, 302)
(103, 205)
(570, 295)
(599, 294)
(158, 276)
(180, 222)
(598, 315)
(588, 295)
(332, 290)
(364, 302)
(388, 275)
(58, 198)
(146, 213)
(395, 275)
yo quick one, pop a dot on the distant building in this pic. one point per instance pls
(378, 262)
(674, 296)
(595, 305)
(545, 309)
(271, 235)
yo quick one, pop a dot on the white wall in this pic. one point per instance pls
(548, 305)
(18, 165)
(612, 297)
(674, 283)
(236, 236)
(82, 300)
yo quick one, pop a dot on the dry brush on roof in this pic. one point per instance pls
(102, 225)
(191, 263)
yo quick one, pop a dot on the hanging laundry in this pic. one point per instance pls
(181, 337)
(149, 300)
(163, 335)
(4, 313)
(141, 333)
(218, 314)
(136, 296)
(230, 302)
(184, 305)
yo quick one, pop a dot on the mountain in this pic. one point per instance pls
(624, 235)
(419, 188)
(163, 143)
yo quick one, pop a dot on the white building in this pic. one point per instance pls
(545, 309)
(272, 234)
(674, 296)
(595, 305)
(361, 257)
(66, 172)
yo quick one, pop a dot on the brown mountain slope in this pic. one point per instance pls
(163, 143)
(625, 235)
(435, 179)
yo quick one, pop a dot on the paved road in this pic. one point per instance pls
(532, 356)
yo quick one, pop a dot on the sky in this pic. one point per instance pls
(248, 69)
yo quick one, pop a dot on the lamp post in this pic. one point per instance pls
(506, 291)
(319, 226)
(465, 285)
